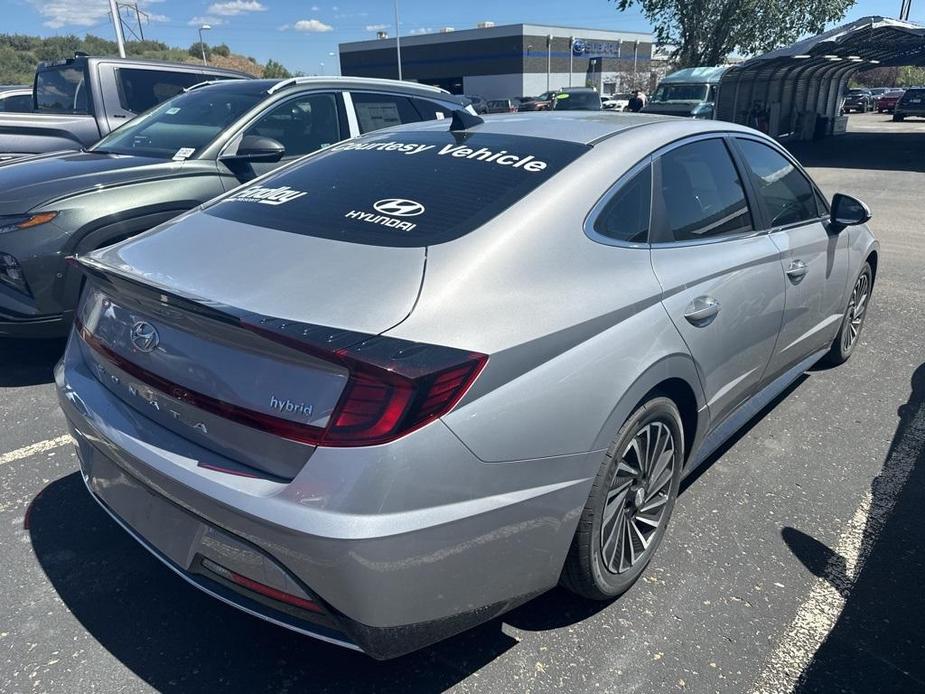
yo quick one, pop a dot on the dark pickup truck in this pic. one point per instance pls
(79, 100)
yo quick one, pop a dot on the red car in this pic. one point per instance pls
(887, 102)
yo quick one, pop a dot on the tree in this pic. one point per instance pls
(196, 50)
(222, 50)
(274, 70)
(706, 31)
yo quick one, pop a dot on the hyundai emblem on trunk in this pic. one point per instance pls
(144, 336)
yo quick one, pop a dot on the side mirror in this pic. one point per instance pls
(254, 148)
(847, 211)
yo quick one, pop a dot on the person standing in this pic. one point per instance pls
(635, 103)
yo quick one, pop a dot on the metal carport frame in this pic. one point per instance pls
(796, 92)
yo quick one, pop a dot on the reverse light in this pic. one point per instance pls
(24, 221)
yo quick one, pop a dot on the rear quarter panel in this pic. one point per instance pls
(576, 330)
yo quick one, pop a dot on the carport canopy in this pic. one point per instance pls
(796, 92)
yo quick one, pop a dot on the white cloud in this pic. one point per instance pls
(211, 21)
(315, 8)
(235, 7)
(80, 13)
(376, 27)
(311, 25)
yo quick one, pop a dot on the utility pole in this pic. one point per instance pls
(548, 58)
(117, 25)
(905, 9)
(141, 31)
(397, 39)
(635, 58)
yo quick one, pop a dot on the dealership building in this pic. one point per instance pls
(511, 60)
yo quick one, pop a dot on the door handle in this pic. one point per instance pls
(797, 270)
(701, 310)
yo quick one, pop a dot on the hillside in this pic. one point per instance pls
(20, 53)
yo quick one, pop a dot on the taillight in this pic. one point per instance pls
(395, 386)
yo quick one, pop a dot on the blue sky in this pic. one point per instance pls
(302, 33)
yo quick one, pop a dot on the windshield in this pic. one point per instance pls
(181, 127)
(680, 92)
(577, 101)
(412, 188)
(62, 89)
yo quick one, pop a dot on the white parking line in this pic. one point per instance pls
(823, 606)
(33, 449)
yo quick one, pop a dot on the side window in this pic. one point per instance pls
(18, 103)
(375, 111)
(140, 90)
(784, 191)
(701, 192)
(626, 215)
(431, 110)
(301, 125)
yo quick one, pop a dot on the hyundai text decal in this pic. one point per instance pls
(266, 196)
(392, 209)
(483, 154)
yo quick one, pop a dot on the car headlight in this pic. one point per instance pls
(16, 222)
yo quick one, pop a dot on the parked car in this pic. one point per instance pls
(543, 102)
(81, 99)
(911, 103)
(479, 105)
(185, 151)
(689, 93)
(886, 102)
(576, 99)
(312, 428)
(860, 100)
(615, 102)
(502, 105)
(15, 99)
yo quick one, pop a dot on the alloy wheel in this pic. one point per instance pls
(634, 509)
(857, 309)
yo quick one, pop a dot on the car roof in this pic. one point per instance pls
(582, 127)
(270, 87)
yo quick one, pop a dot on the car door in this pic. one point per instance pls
(303, 124)
(375, 110)
(721, 279)
(813, 260)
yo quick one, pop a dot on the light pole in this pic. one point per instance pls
(397, 39)
(202, 46)
(548, 58)
(117, 25)
(571, 58)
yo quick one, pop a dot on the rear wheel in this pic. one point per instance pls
(898, 119)
(630, 504)
(853, 321)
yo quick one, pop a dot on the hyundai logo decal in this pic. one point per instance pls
(144, 337)
(578, 47)
(399, 207)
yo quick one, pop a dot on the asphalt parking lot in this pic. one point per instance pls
(795, 557)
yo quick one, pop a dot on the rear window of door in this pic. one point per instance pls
(376, 111)
(140, 89)
(626, 216)
(784, 192)
(18, 103)
(302, 125)
(701, 194)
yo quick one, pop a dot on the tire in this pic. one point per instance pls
(849, 333)
(588, 570)
(898, 119)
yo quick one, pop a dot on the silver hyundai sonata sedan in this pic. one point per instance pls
(403, 385)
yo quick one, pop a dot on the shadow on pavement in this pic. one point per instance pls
(175, 638)
(877, 645)
(884, 150)
(28, 362)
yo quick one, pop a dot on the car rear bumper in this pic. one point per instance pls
(14, 325)
(387, 582)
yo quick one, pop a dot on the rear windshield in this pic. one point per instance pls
(400, 189)
(914, 94)
(577, 101)
(62, 89)
(680, 92)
